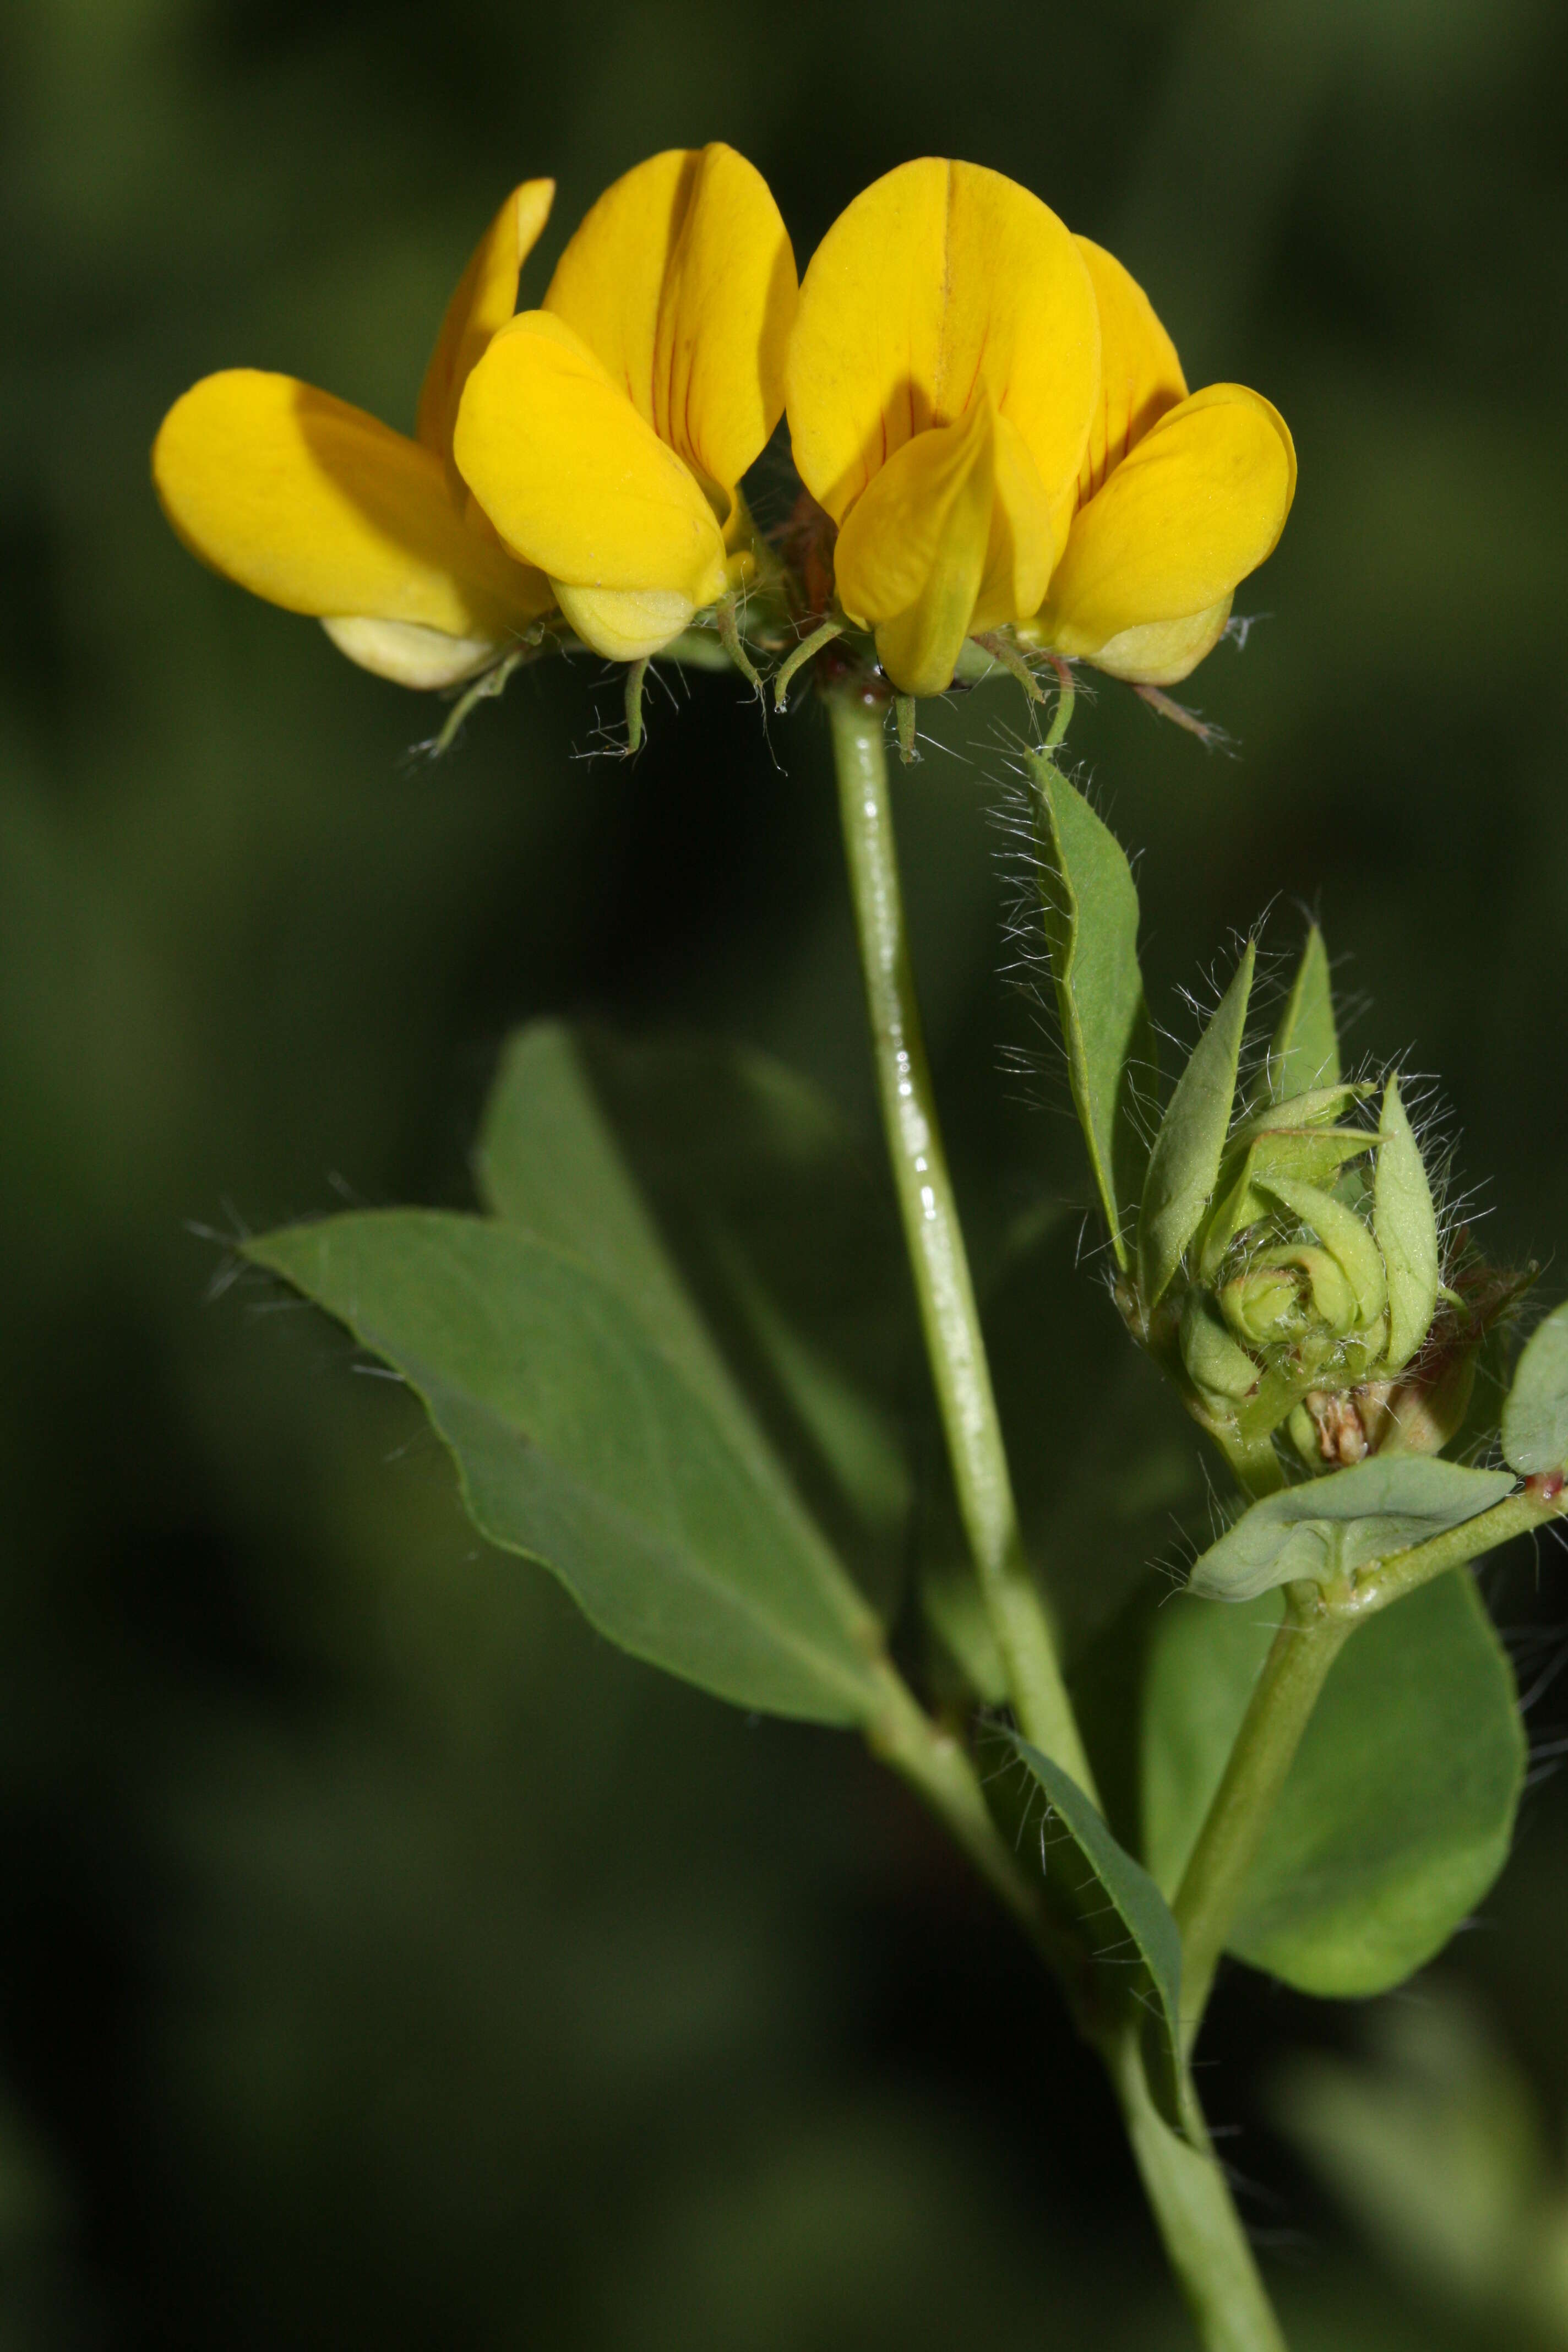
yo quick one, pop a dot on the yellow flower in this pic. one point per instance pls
(943, 375)
(317, 507)
(605, 434)
(1179, 499)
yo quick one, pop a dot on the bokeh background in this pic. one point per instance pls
(384, 1959)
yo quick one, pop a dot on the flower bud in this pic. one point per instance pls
(1265, 1306)
(1303, 1301)
(1217, 1368)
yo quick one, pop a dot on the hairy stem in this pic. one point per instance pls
(934, 1238)
(1188, 2194)
(1538, 1501)
(937, 1767)
(1196, 2216)
(1286, 1692)
(1314, 1630)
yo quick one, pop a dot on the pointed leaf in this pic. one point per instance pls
(1331, 1526)
(1138, 1927)
(1313, 1153)
(1405, 1224)
(1399, 1807)
(1183, 1167)
(1089, 906)
(1535, 1417)
(1312, 1109)
(582, 1443)
(1305, 1049)
(718, 1193)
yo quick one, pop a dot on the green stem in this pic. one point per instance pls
(637, 676)
(1315, 1628)
(1405, 1571)
(1066, 697)
(937, 1767)
(808, 646)
(1257, 1469)
(1187, 2190)
(1286, 1692)
(935, 1241)
(1198, 2223)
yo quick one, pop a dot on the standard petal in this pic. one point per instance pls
(485, 299)
(313, 505)
(1140, 375)
(682, 280)
(937, 279)
(1196, 505)
(570, 476)
(911, 560)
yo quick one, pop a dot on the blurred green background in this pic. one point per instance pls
(386, 1959)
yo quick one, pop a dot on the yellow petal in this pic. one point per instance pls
(573, 478)
(938, 279)
(682, 280)
(1162, 653)
(484, 302)
(1196, 505)
(625, 624)
(313, 505)
(1022, 540)
(1140, 375)
(911, 558)
(408, 653)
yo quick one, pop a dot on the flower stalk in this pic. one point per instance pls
(939, 1261)
(1195, 2213)
(1286, 1692)
(1317, 1624)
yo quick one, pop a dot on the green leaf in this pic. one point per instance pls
(1436, 2147)
(1535, 1416)
(1331, 1526)
(1138, 1926)
(718, 1193)
(1405, 1224)
(1183, 1168)
(1399, 1807)
(1089, 906)
(586, 1446)
(1304, 1052)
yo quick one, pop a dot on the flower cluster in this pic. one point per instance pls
(992, 427)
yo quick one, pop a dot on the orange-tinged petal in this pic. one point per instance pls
(938, 279)
(570, 476)
(1194, 507)
(682, 280)
(1140, 375)
(485, 299)
(315, 506)
(911, 557)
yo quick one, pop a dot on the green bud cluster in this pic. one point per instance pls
(1288, 1270)
(1276, 1243)
(1315, 1271)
